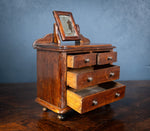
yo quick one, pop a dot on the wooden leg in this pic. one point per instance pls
(60, 117)
(44, 109)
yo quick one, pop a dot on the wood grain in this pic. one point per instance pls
(60, 26)
(82, 100)
(78, 61)
(56, 35)
(78, 78)
(19, 111)
(53, 108)
(83, 40)
(51, 77)
(47, 39)
(46, 43)
(106, 58)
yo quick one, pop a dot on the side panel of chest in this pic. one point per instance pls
(51, 78)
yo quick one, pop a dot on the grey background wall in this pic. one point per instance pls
(123, 23)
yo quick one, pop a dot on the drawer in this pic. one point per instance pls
(90, 98)
(81, 78)
(106, 58)
(81, 60)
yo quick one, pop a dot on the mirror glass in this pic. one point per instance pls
(67, 25)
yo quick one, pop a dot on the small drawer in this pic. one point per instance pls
(81, 60)
(106, 58)
(90, 98)
(81, 78)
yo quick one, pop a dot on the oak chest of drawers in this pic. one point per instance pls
(77, 77)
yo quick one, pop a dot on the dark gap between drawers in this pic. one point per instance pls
(95, 67)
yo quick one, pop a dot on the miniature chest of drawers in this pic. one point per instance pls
(77, 77)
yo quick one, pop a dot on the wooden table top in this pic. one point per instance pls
(18, 111)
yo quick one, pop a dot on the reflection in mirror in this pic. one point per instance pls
(67, 25)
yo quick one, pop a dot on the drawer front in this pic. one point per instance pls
(82, 60)
(106, 58)
(82, 79)
(93, 97)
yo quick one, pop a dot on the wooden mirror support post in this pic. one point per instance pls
(80, 76)
(57, 39)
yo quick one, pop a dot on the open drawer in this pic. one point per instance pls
(90, 98)
(82, 78)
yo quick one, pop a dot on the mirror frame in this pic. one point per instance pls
(60, 26)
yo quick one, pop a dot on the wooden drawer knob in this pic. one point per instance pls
(117, 94)
(94, 102)
(90, 79)
(112, 74)
(109, 58)
(87, 60)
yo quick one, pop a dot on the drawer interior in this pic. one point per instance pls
(82, 100)
(86, 69)
(95, 89)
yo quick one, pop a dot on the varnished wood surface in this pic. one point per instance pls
(78, 61)
(103, 94)
(80, 48)
(19, 111)
(47, 43)
(106, 58)
(51, 78)
(60, 26)
(78, 78)
(57, 39)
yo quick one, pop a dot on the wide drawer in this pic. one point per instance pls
(106, 58)
(81, 78)
(81, 60)
(90, 98)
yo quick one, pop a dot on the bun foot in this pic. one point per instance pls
(60, 117)
(44, 109)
